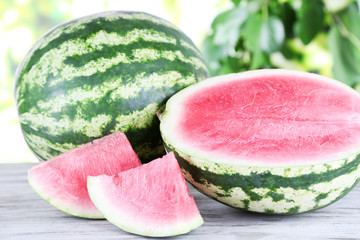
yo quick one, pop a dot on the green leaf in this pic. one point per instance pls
(252, 32)
(236, 2)
(259, 60)
(262, 38)
(227, 25)
(221, 44)
(346, 58)
(288, 17)
(311, 20)
(252, 43)
(266, 35)
(350, 17)
(272, 34)
(232, 65)
(290, 52)
(213, 53)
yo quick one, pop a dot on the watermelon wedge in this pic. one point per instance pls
(271, 141)
(61, 181)
(150, 200)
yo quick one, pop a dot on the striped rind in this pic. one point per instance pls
(272, 190)
(100, 74)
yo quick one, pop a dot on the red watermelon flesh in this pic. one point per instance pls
(61, 181)
(150, 200)
(266, 117)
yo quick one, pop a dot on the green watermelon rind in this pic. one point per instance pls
(271, 190)
(158, 51)
(62, 206)
(126, 224)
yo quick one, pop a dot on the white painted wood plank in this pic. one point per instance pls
(23, 215)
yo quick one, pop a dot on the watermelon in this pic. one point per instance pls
(269, 141)
(100, 74)
(150, 200)
(61, 181)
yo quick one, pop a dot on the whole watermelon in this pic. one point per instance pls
(103, 73)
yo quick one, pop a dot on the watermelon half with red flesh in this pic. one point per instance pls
(150, 200)
(272, 141)
(61, 181)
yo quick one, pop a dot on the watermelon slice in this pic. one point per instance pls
(150, 200)
(61, 181)
(272, 141)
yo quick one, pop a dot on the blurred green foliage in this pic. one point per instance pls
(27, 19)
(320, 36)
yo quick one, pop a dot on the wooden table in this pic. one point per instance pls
(23, 215)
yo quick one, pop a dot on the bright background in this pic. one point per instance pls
(24, 21)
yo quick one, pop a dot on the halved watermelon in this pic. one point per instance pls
(61, 181)
(150, 200)
(272, 141)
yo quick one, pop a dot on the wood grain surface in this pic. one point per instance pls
(23, 215)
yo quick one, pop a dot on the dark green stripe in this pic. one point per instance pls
(106, 105)
(266, 180)
(127, 71)
(120, 106)
(31, 147)
(324, 195)
(67, 137)
(110, 51)
(137, 137)
(120, 26)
